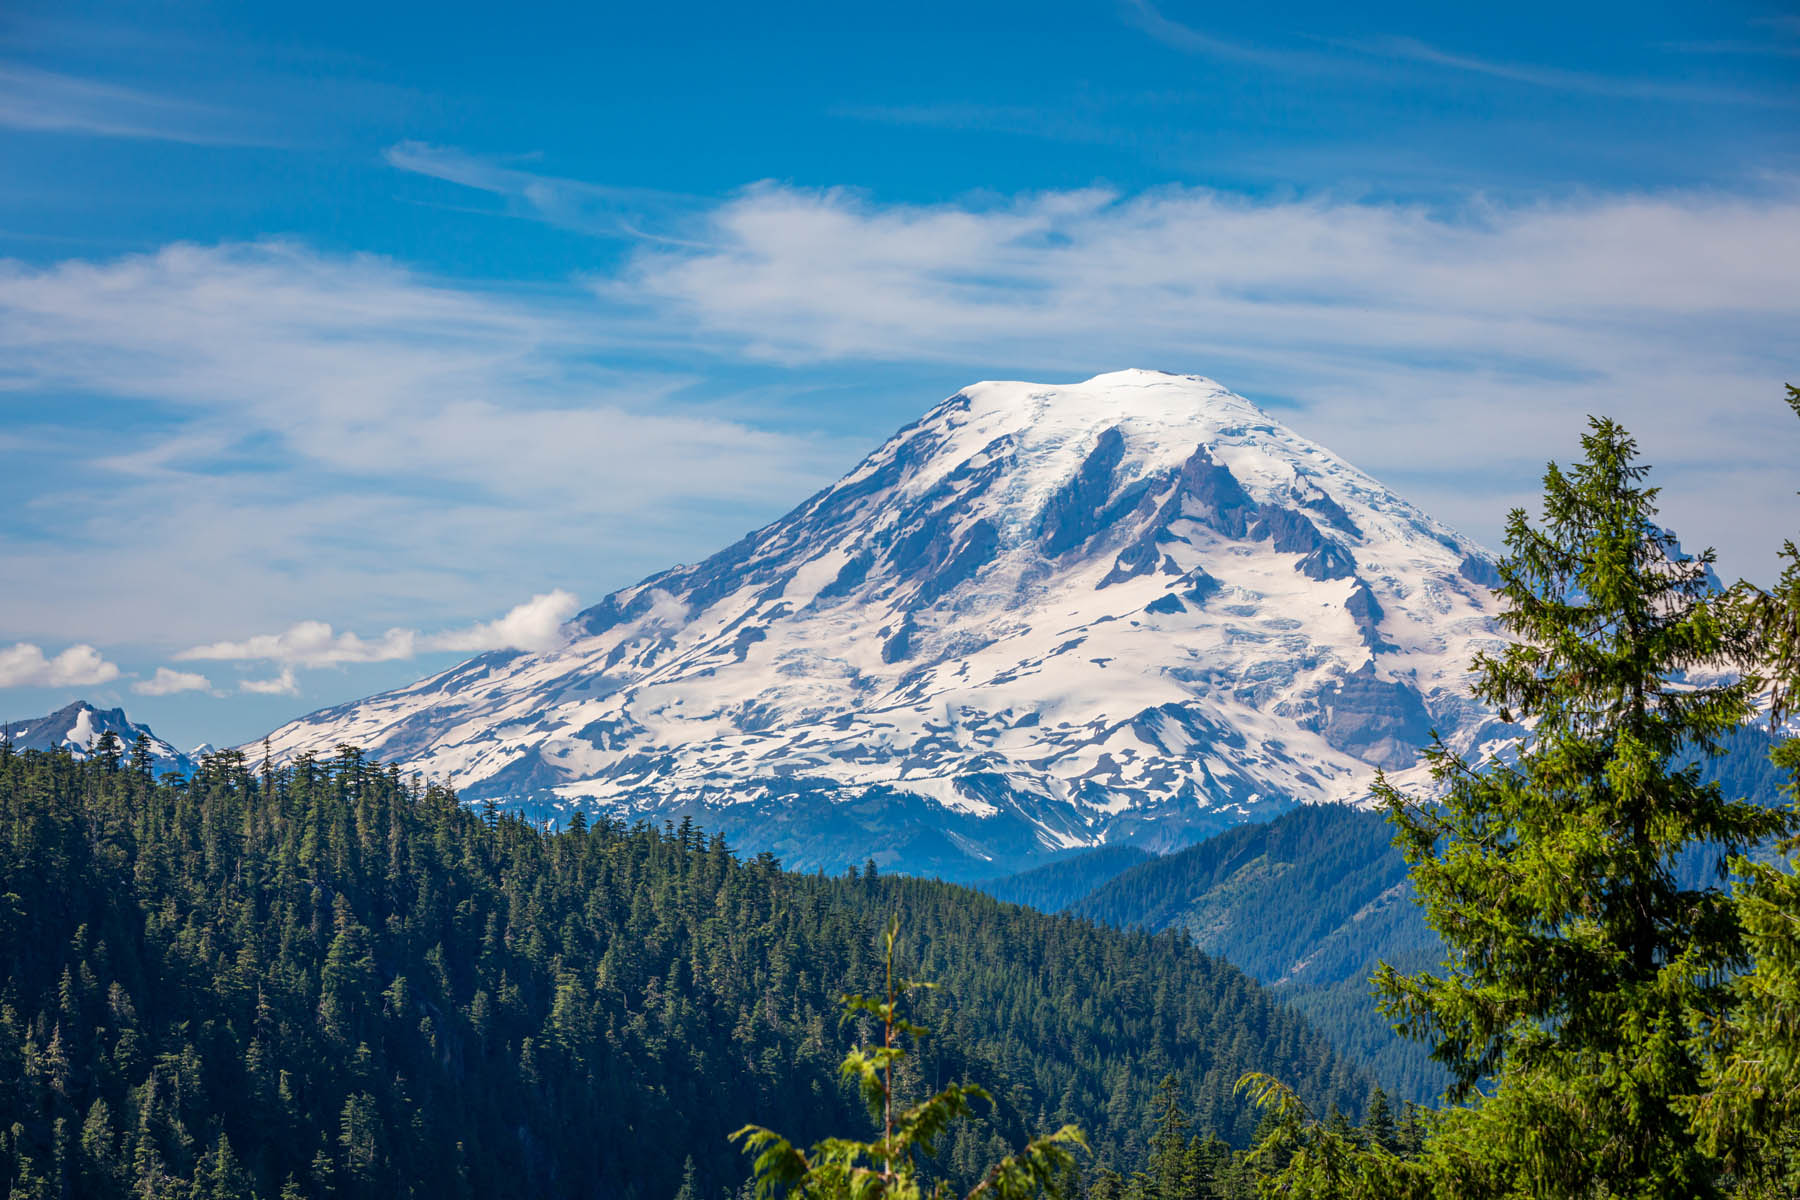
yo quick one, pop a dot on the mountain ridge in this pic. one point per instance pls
(1135, 609)
(78, 725)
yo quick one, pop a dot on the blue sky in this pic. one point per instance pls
(429, 323)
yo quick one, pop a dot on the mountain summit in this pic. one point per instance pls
(1136, 609)
(78, 726)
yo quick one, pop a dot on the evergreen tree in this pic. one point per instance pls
(1578, 970)
(1748, 1109)
(1169, 1167)
(140, 754)
(1378, 1124)
(333, 982)
(690, 1186)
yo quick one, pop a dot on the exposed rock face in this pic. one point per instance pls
(1135, 609)
(1381, 721)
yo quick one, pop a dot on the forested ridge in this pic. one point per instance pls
(331, 980)
(1056, 885)
(1311, 904)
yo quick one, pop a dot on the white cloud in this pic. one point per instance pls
(809, 275)
(573, 204)
(25, 665)
(281, 685)
(168, 681)
(535, 626)
(308, 644)
(326, 435)
(1448, 349)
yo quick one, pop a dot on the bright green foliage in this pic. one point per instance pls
(1578, 968)
(1300, 1155)
(1748, 1111)
(889, 1167)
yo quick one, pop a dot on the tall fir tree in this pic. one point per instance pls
(1748, 1109)
(1578, 970)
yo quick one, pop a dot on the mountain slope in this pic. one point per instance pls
(1314, 901)
(1310, 904)
(1054, 886)
(78, 726)
(1131, 610)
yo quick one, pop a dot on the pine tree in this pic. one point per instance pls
(690, 1186)
(1378, 1124)
(108, 750)
(140, 754)
(1169, 1171)
(1748, 1110)
(1578, 970)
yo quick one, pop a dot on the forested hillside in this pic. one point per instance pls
(1310, 903)
(329, 980)
(1056, 885)
(1314, 901)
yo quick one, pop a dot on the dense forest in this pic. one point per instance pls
(331, 980)
(1056, 885)
(1311, 904)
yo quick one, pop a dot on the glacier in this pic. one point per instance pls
(1132, 610)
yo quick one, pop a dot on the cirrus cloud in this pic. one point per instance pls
(1448, 348)
(292, 425)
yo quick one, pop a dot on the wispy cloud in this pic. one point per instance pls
(308, 644)
(1145, 16)
(26, 665)
(1776, 37)
(535, 626)
(339, 439)
(798, 274)
(1561, 80)
(590, 208)
(49, 102)
(342, 434)
(167, 682)
(1469, 336)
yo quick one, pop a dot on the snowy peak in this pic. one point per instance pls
(1136, 608)
(77, 727)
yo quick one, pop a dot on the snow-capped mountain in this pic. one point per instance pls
(79, 725)
(1135, 609)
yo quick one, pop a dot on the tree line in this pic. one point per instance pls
(331, 980)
